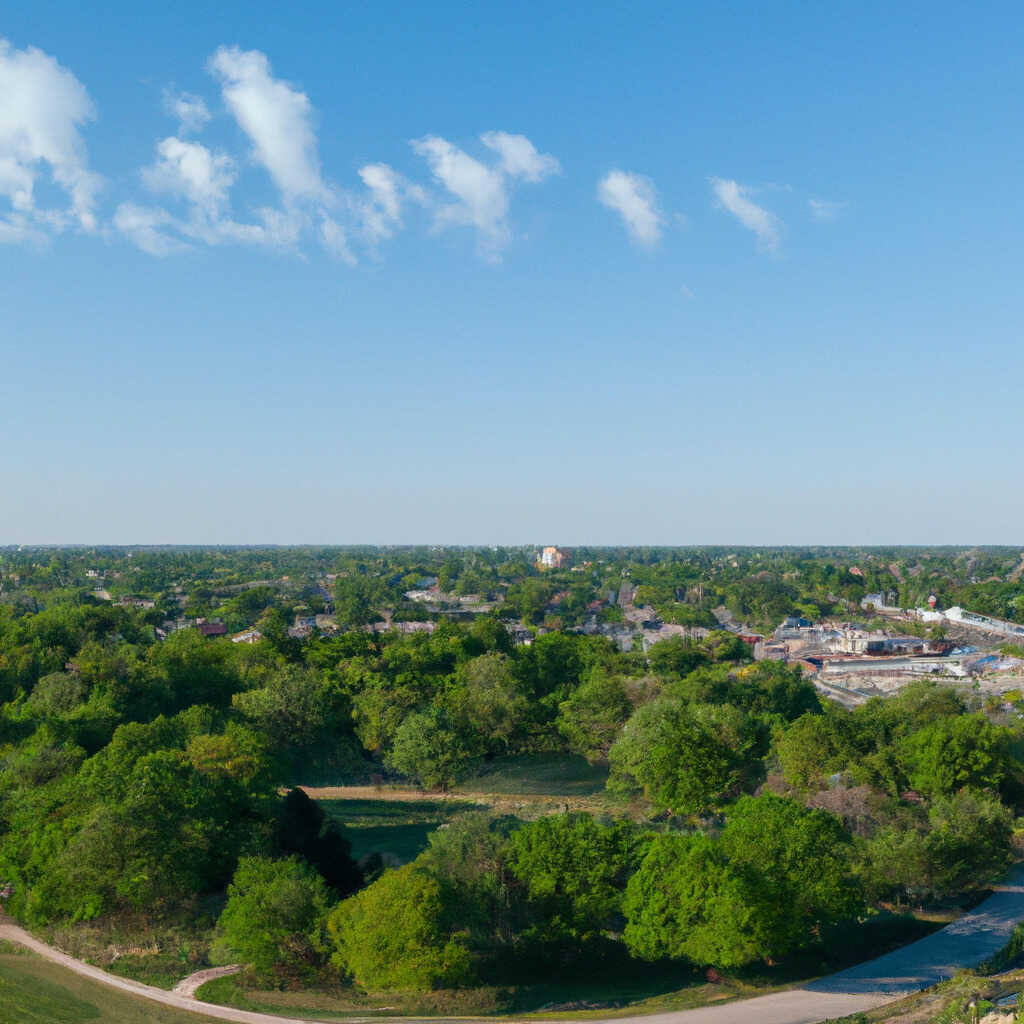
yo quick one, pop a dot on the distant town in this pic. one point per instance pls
(862, 642)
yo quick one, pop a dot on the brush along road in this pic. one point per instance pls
(965, 943)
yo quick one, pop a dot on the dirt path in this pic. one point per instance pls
(188, 986)
(964, 943)
(499, 803)
(395, 793)
(13, 933)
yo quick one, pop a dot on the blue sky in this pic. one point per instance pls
(604, 273)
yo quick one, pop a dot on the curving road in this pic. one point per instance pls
(965, 943)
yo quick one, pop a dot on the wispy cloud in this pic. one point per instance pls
(519, 156)
(335, 240)
(482, 192)
(277, 118)
(278, 121)
(379, 210)
(825, 210)
(145, 226)
(634, 198)
(191, 171)
(190, 111)
(735, 198)
(42, 109)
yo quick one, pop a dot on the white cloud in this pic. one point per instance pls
(144, 226)
(279, 228)
(385, 187)
(634, 198)
(277, 118)
(519, 157)
(335, 240)
(825, 210)
(42, 109)
(191, 171)
(380, 211)
(734, 197)
(18, 227)
(482, 192)
(158, 232)
(202, 179)
(191, 111)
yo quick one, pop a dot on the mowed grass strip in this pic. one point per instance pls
(396, 829)
(556, 775)
(395, 821)
(36, 991)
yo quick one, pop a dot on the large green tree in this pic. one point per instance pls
(401, 934)
(593, 716)
(574, 870)
(275, 918)
(797, 862)
(432, 747)
(686, 902)
(689, 758)
(955, 752)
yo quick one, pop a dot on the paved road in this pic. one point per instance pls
(964, 943)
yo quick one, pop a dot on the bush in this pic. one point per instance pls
(574, 871)
(685, 902)
(399, 935)
(275, 917)
(689, 758)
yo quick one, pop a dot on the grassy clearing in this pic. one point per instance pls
(562, 775)
(161, 970)
(395, 821)
(396, 829)
(338, 1002)
(35, 991)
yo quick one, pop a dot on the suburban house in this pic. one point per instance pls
(552, 558)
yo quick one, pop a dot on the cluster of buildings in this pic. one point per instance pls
(805, 638)
(1001, 627)
(862, 662)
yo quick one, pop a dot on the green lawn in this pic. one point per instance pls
(538, 775)
(35, 991)
(396, 829)
(527, 786)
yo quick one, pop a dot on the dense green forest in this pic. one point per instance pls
(746, 817)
